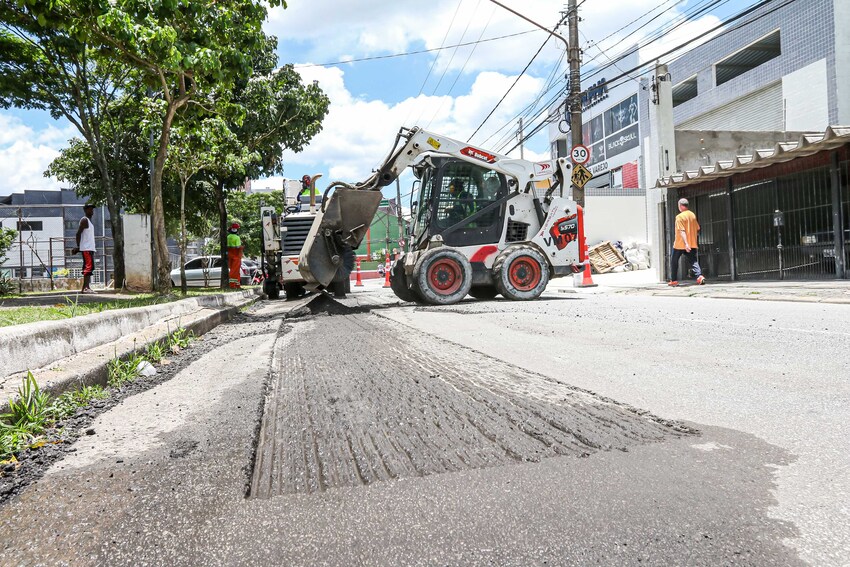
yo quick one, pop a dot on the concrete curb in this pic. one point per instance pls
(35, 345)
(91, 367)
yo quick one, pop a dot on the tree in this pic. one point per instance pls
(45, 65)
(244, 208)
(281, 112)
(181, 50)
(7, 238)
(196, 146)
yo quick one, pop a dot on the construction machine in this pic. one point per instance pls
(283, 235)
(483, 224)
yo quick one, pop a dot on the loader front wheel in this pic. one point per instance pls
(443, 276)
(398, 282)
(521, 273)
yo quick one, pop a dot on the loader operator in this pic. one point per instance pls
(462, 203)
(234, 256)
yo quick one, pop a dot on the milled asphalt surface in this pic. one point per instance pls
(775, 370)
(165, 478)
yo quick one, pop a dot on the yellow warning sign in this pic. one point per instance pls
(433, 143)
(580, 176)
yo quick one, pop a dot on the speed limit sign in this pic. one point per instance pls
(580, 154)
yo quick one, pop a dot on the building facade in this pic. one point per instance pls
(780, 71)
(47, 222)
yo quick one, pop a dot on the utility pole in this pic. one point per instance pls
(574, 97)
(521, 145)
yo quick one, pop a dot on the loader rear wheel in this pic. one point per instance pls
(443, 276)
(521, 273)
(398, 282)
(483, 291)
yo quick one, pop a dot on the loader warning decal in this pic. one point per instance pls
(469, 151)
(433, 143)
(564, 231)
(544, 168)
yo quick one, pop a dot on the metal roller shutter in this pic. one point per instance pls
(761, 110)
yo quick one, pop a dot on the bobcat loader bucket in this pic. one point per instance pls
(341, 226)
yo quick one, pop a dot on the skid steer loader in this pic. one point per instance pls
(483, 224)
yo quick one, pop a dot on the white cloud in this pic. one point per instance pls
(358, 133)
(25, 154)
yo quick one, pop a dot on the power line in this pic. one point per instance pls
(513, 84)
(736, 17)
(418, 52)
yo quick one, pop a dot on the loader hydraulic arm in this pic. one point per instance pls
(347, 214)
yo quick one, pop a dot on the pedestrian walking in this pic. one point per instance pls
(86, 245)
(234, 256)
(686, 244)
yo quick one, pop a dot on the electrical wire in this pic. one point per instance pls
(611, 84)
(501, 100)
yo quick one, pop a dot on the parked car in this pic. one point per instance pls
(205, 271)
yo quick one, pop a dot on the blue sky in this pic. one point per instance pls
(370, 100)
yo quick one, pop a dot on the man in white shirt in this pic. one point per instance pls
(86, 245)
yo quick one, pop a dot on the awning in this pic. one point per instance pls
(808, 144)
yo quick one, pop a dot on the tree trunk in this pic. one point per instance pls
(118, 272)
(163, 272)
(183, 237)
(222, 232)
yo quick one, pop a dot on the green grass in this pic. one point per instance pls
(66, 309)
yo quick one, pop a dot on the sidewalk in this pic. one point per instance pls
(63, 353)
(644, 282)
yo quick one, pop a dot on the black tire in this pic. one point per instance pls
(398, 282)
(521, 272)
(483, 291)
(271, 289)
(293, 290)
(443, 276)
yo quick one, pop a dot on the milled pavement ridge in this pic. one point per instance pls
(70, 352)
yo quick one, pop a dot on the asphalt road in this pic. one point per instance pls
(470, 436)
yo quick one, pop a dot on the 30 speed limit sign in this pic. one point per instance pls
(580, 154)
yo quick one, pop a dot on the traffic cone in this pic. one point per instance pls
(387, 272)
(359, 282)
(586, 279)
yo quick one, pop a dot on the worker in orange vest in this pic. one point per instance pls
(234, 256)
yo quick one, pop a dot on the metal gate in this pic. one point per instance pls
(712, 214)
(844, 183)
(783, 227)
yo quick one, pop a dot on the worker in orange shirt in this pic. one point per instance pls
(686, 244)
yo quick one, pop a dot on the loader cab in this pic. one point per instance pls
(453, 196)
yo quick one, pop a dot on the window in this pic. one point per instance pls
(71, 224)
(748, 58)
(466, 189)
(194, 264)
(31, 226)
(617, 177)
(685, 91)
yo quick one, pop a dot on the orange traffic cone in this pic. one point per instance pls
(387, 272)
(586, 279)
(359, 282)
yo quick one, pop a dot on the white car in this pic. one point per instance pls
(205, 271)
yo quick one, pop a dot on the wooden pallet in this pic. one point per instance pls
(604, 257)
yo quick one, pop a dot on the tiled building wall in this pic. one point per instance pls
(807, 36)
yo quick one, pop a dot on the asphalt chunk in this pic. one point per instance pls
(356, 399)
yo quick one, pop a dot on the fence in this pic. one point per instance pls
(32, 260)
